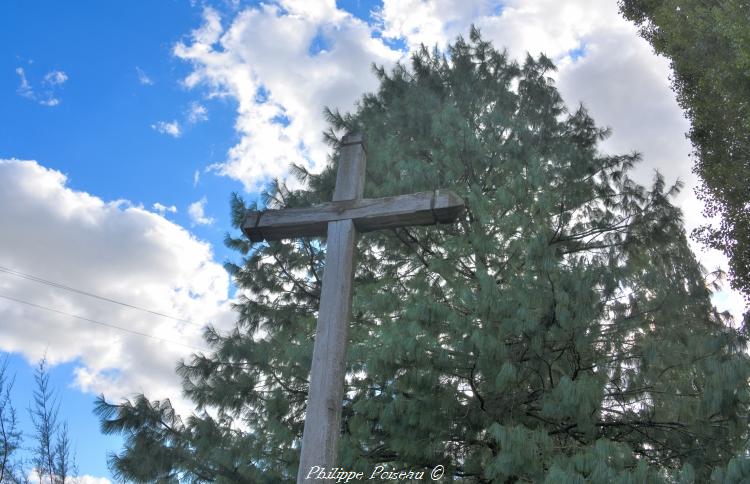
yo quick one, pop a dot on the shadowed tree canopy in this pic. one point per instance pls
(708, 45)
(562, 331)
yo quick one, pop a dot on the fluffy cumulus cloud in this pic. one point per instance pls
(602, 64)
(521, 26)
(432, 23)
(112, 249)
(283, 63)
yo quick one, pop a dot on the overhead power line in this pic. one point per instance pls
(58, 285)
(100, 323)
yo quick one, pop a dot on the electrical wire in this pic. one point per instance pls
(93, 321)
(58, 285)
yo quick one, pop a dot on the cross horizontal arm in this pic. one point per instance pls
(368, 214)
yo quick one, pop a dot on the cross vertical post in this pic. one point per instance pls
(323, 420)
(340, 221)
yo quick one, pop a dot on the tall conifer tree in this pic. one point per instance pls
(562, 331)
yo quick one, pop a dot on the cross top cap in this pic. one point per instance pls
(352, 138)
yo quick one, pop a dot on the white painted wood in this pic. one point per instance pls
(425, 208)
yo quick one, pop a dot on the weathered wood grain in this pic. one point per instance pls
(341, 221)
(424, 208)
(323, 418)
(350, 177)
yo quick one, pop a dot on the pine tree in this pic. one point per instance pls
(562, 332)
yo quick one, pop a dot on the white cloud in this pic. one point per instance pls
(630, 93)
(432, 22)
(24, 89)
(196, 113)
(33, 477)
(143, 78)
(172, 128)
(87, 479)
(53, 101)
(162, 209)
(55, 78)
(113, 249)
(546, 26)
(535, 26)
(602, 63)
(196, 177)
(263, 60)
(196, 210)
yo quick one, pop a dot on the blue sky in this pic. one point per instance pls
(100, 135)
(125, 126)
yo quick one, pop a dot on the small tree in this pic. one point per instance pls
(10, 435)
(44, 412)
(52, 455)
(64, 468)
(52, 460)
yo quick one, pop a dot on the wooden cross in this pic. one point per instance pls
(340, 221)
